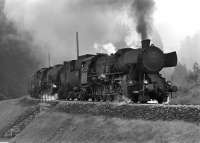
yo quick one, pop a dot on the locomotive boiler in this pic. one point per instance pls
(130, 73)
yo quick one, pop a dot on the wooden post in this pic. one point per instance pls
(77, 45)
(49, 59)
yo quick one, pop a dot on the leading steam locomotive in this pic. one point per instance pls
(130, 73)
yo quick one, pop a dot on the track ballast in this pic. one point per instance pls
(188, 113)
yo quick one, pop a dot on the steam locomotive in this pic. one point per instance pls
(130, 73)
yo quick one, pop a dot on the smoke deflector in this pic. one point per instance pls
(170, 59)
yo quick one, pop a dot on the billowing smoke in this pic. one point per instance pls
(17, 59)
(143, 11)
(53, 24)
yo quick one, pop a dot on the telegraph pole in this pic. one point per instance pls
(49, 58)
(77, 45)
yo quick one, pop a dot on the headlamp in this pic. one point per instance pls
(145, 81)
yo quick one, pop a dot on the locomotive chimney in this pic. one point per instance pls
(145, 43)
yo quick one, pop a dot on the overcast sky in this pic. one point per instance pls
(105, 24)
(177, 19)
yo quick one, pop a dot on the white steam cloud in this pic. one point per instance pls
(105, 48)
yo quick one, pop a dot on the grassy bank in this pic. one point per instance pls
(58, 127)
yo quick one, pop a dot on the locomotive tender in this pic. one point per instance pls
(130, 73)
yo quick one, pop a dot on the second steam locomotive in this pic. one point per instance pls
(130, 73)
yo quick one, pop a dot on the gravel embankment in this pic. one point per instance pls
(186, 113)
